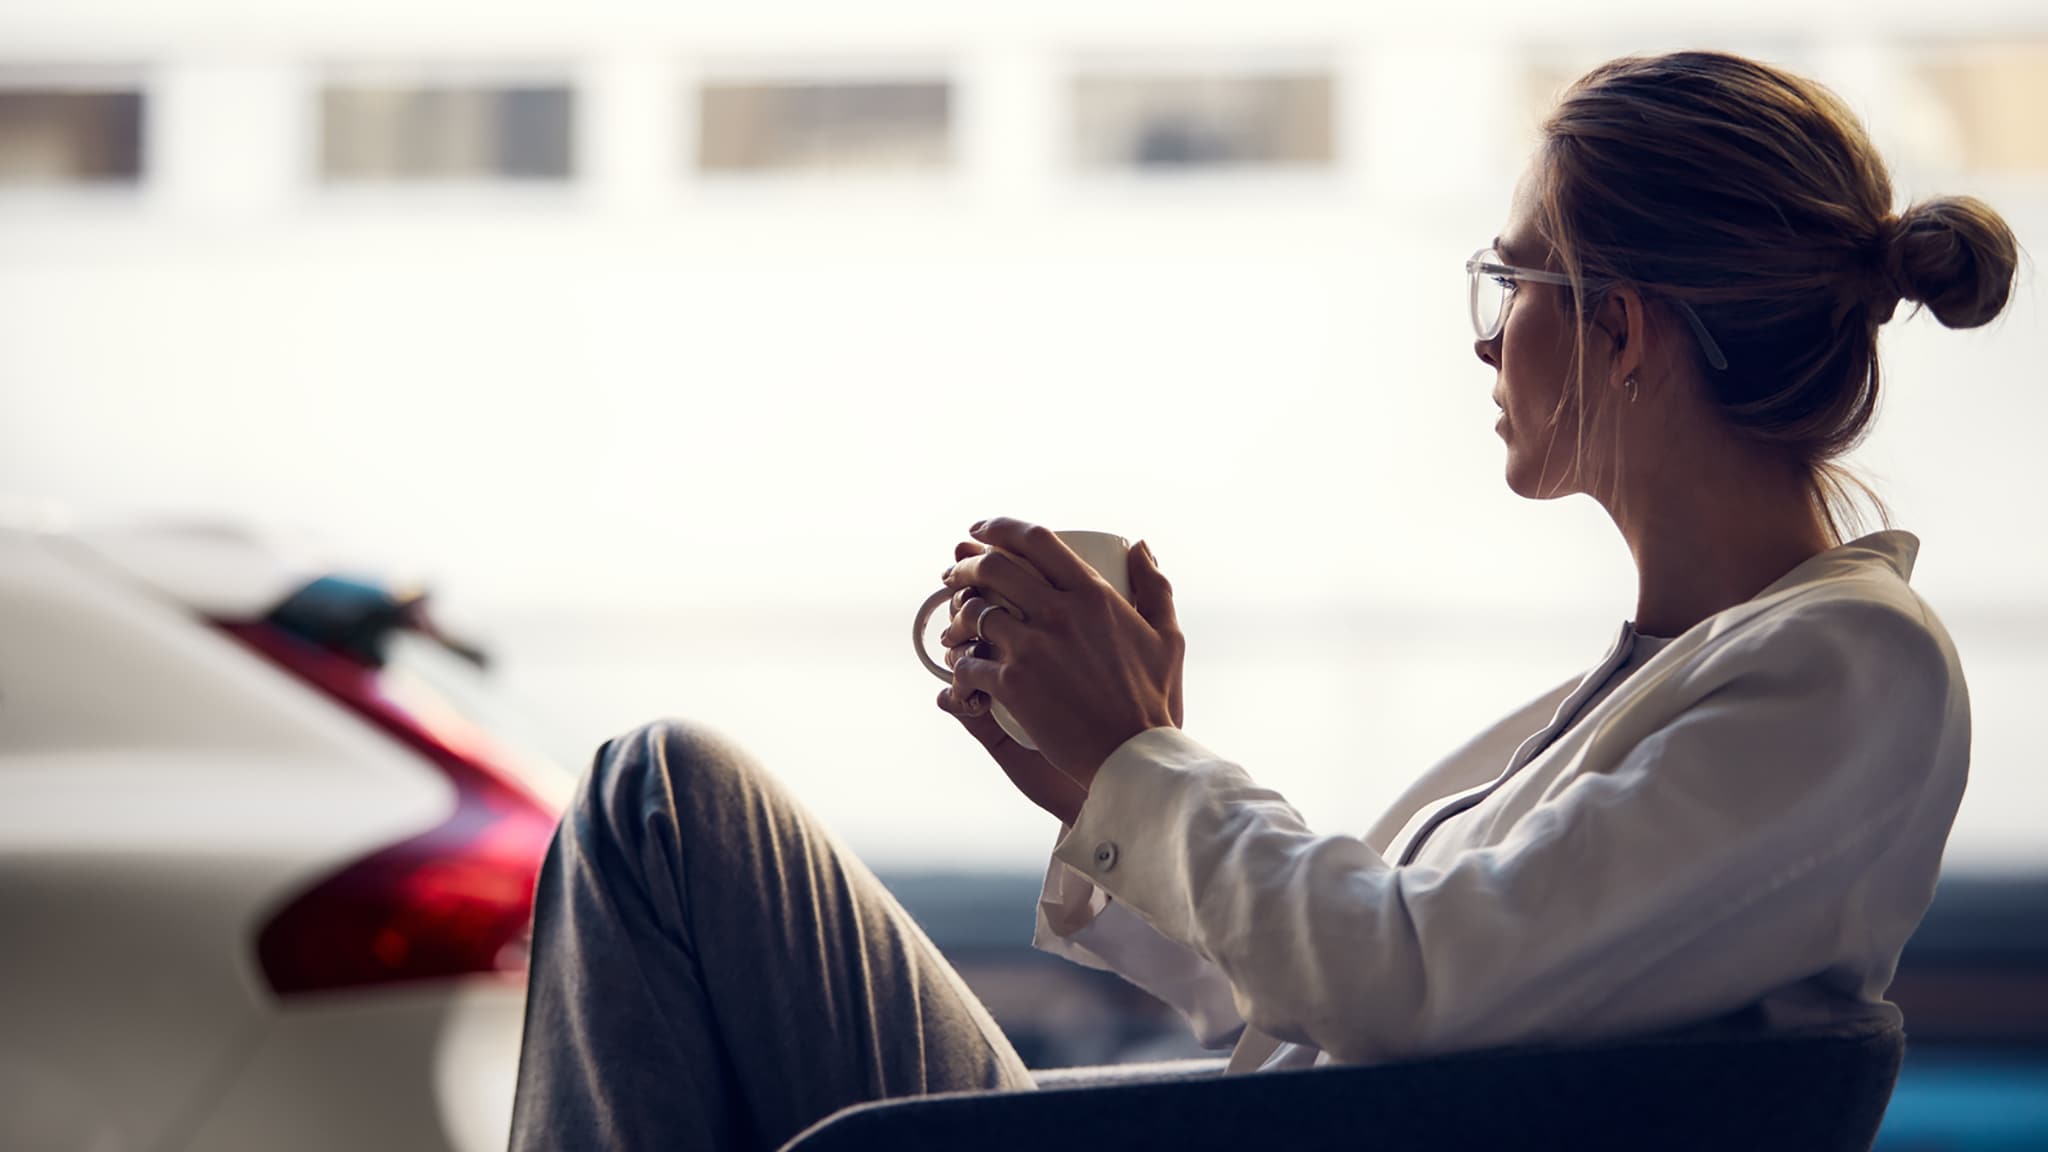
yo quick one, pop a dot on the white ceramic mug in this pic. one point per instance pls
(1106, 552)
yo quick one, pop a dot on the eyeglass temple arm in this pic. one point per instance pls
(1699, 327)
(1707, 344)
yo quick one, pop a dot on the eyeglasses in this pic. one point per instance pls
(1492, 282)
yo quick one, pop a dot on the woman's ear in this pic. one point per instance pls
(1622, 318)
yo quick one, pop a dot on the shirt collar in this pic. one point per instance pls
(1894, 549)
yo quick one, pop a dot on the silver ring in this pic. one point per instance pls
(982, 616)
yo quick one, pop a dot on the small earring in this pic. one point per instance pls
(1630, 381)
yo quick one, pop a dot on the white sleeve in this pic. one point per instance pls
(1079, 922)
(1705, 870)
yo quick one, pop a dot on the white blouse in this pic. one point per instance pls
(1743, 832)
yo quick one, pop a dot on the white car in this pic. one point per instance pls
(266, 866)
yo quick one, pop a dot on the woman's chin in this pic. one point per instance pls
(1524, 483)
(1513, 469)
(1524, 475)
(1521, 479)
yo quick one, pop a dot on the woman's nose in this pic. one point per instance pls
(1488, 352)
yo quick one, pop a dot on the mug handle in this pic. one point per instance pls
(924, 614)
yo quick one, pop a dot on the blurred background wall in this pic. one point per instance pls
(675, 345)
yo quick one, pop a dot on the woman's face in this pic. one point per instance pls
(1532, 361)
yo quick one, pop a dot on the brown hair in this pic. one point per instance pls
(1754, 196)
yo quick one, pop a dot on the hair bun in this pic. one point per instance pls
(1954, 255)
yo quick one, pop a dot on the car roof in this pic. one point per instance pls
(220, 570)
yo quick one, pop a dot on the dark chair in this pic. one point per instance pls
(1750, 1094)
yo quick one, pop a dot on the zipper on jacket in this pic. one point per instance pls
(1567, 714)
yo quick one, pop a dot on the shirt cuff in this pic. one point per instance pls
(1129, 839)
(1069, 901)
(1078, 922)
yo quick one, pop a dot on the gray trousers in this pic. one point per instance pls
(712, 969)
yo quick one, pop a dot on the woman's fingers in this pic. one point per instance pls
(978, 649)
(965, 705)
(1008, 577)
(1041, 547)
(1151, 592)
(980, 619)
(962, 551)
(975, 674)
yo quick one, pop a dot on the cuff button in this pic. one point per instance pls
(1105, 855)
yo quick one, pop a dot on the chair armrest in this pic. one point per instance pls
(1826, 1094)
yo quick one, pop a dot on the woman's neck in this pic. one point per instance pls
(1706, 543)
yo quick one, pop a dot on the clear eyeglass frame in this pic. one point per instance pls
(1491, 284)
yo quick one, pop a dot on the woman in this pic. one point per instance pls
(1733, 822)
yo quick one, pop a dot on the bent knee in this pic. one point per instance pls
(657, 764)
(680, 742)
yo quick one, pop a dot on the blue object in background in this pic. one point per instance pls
(1968, 1100)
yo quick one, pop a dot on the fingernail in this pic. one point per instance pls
(946, 575)
(978, 526)
(1146, 545)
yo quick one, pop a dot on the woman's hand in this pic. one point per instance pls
(1040, 782)
(1034, 776)
(1081, 668)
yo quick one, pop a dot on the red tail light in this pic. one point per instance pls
(455, 900)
